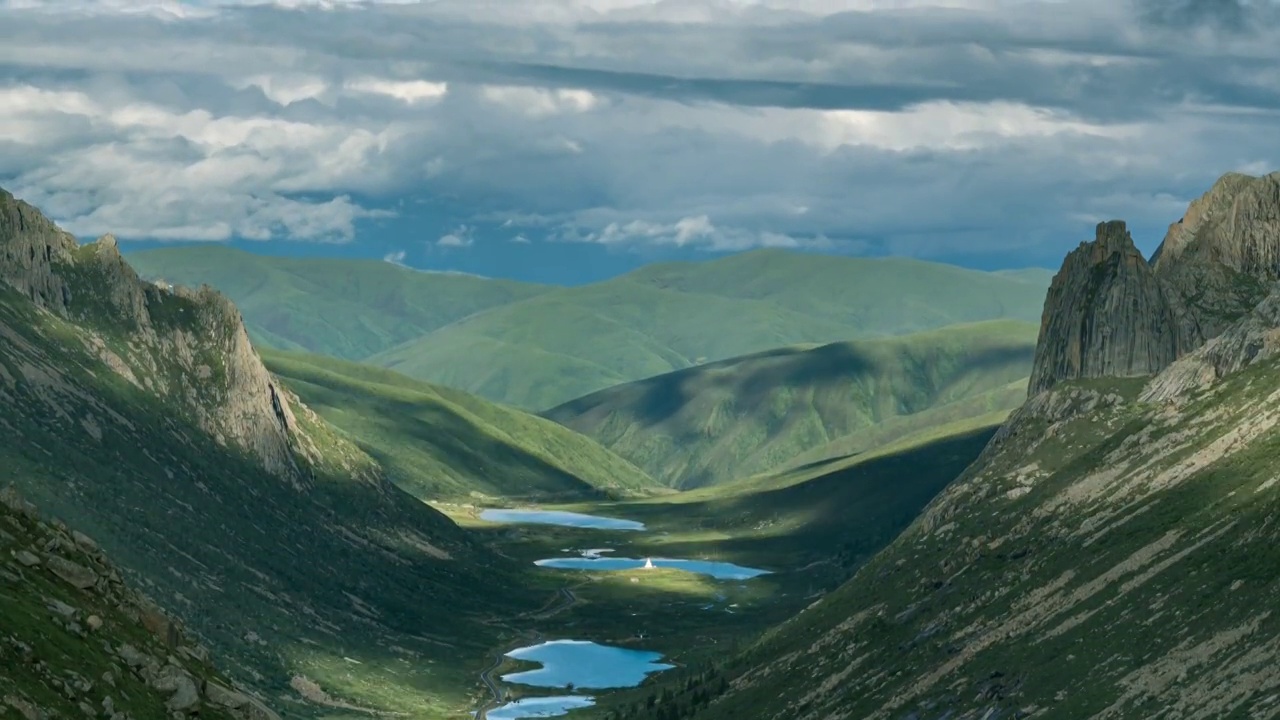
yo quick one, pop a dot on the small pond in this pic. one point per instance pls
(717, 570)
(539, 707)
(559, 517)
(585, 665)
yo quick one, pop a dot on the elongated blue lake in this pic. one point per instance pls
(586, 665)
(559, 517)
(717, 570)
(540, 707)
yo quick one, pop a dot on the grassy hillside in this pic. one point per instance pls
(549, 349)
(438, 442)
(536, 347)
(1109, 555)
(142, 417)
(874, 296)
(73, 634)
(748, 415)
(835, 513)
(344, 308)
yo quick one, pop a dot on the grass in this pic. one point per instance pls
(440, 443)
(536, 347)
(41, 649)
(750, 415)
(330, 563)
(344, 308)
(1067, 569)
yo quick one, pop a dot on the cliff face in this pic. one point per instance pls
(1107, 314)
(187, 346)
(1111, 313)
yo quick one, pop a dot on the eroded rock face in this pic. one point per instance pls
(1110, 313)
(209, 366)
(1107, 314)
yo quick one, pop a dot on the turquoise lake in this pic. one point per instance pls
(540, 707)
(717, 570)
(559, 517)
(587, 665)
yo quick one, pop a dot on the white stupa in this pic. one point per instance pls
(648, 564)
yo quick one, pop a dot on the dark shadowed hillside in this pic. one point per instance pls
(753, 414)
(143, 417)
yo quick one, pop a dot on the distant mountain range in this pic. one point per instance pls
(536, 346)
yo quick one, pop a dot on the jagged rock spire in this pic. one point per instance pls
(1111, 313)
(1106, 314)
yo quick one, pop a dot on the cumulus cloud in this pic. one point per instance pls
(395, 258)
(461, 237)
(915, 126)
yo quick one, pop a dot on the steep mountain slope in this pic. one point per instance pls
(344, 308)
(438, 442)
(75, 639)
(748, 415)
(549, 349)
(144, 418)
(1113, 553)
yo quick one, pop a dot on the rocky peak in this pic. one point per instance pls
(1111, 313)
(1106, 314)
(29, 246)
(1236, 223)
(187, 345)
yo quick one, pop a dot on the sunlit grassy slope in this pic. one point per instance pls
(748, 415)
(344, 308)
(537, 347)
(437, 442)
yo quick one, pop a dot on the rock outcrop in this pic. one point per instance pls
(185, 345)
(1248, 341)
(1110, 313)
(136, 659)
(1107, 314)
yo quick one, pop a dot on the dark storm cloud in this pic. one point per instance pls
(998, 125)
(1234, 15)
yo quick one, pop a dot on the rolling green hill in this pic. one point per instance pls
(753, 414)
(438, 442)
(344, 308)
(536, 347)
(142, 417)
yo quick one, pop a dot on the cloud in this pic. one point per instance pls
(461, 237)
(521, 239)
(395, 258)
(408, 91)
(927, 127)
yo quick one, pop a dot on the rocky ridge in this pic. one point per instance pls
(1111, 313)
(75, 639)
(188, 346)
(142, 416)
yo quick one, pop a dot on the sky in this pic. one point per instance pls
(571, 140)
